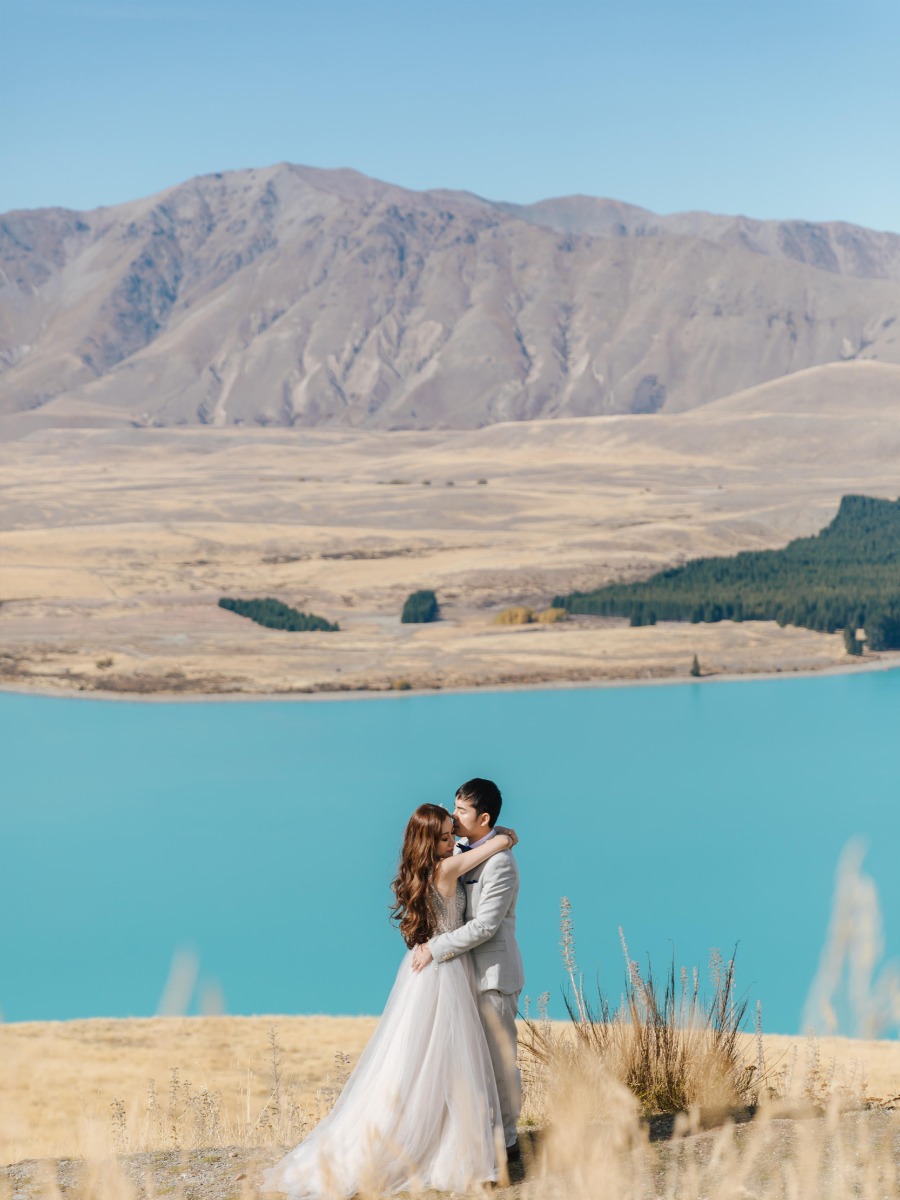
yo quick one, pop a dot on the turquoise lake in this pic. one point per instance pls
(263, 836)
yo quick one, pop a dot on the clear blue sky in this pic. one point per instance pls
(774, 108)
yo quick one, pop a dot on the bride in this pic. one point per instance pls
(421, 1108)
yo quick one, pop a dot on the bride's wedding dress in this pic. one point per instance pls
(421, 1108)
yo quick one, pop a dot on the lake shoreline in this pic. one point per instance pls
(889, 661)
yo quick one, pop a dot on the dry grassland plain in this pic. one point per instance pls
(61, 1079)
(117, 542)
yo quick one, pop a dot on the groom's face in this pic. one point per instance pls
(468, 822)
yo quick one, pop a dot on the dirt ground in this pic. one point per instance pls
(856, 1154)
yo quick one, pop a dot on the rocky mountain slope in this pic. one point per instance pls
(297, 296)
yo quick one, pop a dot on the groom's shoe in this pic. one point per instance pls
(513, 1152)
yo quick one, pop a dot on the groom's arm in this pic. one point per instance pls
(497, 891)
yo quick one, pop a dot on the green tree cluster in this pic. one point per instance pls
(275, 615)
(846, 576)
(420, 607)
(852, 644)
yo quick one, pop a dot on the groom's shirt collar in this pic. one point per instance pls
(487, 837)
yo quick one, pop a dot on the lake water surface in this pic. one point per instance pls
(262, 836)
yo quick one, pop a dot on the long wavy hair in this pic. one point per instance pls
(413, 909)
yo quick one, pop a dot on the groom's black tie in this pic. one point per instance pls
(461, 847)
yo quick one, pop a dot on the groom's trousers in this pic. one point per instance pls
(498, 1016)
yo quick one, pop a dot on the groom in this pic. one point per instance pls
(490, 933)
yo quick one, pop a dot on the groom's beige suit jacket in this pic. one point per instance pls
(490, 928)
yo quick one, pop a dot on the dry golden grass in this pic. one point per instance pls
(517, 614)
(552, 616)
(593, 1147)
(61, 1079)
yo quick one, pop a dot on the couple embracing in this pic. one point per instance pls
(434, 1099)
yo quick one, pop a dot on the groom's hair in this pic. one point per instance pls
(484, 796)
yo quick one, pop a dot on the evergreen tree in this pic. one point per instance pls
(851, 644)
(846, 575)
(420, 607)
(882, 626)
(276, 615)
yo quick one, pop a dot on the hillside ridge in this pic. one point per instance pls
(296, 296)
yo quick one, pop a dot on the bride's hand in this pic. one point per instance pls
(510, 833)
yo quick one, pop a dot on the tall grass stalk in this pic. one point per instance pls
(671, 1048)
(198, 1117)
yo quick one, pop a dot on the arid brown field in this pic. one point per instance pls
(118, 543)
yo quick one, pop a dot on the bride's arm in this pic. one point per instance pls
(450, 869)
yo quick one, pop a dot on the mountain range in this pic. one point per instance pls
(296, 296)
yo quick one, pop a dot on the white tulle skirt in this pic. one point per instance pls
(419, 1111)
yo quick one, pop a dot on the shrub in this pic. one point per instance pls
(552, 616)
(274, 615)
(695, 667)
(668, 1046)
(517, 615)
(420, 607)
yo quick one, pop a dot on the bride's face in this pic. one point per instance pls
(446, 841)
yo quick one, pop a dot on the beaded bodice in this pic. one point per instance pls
(450, 913)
